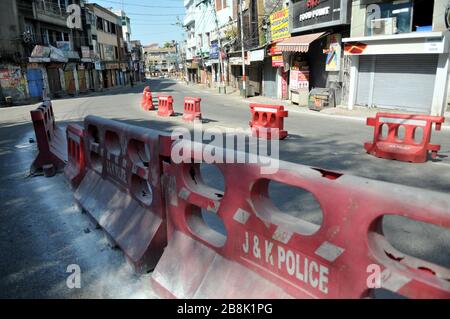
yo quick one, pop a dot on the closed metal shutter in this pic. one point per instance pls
(269, 79)
(364, 81)
(397, 81)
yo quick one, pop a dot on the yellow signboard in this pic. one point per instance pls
(279, 25)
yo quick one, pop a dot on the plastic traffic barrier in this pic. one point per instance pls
(121, 189)
(265, 253)
(165, 105)
(192, 109)
(147, 99)
(51, 139)
(268, 121)
(76, 165)
(411, 146)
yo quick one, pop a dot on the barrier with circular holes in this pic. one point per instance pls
(121, 189)
(403, 137)
(268, 121)
(265, 253)
(51, 139)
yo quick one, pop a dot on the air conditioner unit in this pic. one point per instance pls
(384, 26)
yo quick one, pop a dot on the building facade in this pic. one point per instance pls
(160, 60)
(209, 25)
(399, 53)
(51, 48)
(112, 63)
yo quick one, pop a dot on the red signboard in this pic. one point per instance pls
(277, 61)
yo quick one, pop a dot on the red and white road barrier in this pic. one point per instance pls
(121, 189)
(51, 139)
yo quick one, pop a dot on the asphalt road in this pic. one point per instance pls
(42, 232)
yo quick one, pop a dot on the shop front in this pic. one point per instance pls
(255, 64)
(192, 71)
(399, 60)
(313, 55)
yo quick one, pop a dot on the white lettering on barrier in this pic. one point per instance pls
(265, 109)
(276, 257)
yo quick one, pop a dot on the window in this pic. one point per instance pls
(113, 28)
(200, 40)
(45, 37)
(208, 38)
(100, 23)
(389, 17)
(29, 32)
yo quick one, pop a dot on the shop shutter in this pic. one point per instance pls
(405, 81)
(364, 81)
(399, 82)
(269, 79)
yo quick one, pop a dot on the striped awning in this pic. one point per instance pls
(299, 43)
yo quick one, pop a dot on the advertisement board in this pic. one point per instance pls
(313, 14)
(279, 25)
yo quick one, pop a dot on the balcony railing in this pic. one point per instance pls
(51, 8)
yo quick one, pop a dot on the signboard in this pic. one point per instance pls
(214, 51)
(284, 92)
(314, 14)
(279, 25)
(274, 49)
(277, 61)
(333, 59)
(85, 52)
(257, 55)
(299, 79)
(235, 60)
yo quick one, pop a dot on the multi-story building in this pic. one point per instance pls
(160, 60)
(39, 48)
(208, 24)
(49, 49)
(137, 61)
(399, 53)
(109, 47)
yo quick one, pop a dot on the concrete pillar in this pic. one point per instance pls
(438, 105)
(353, 87)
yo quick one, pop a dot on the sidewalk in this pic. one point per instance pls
(358, 112)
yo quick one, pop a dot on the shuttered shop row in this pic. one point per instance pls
(397, 81)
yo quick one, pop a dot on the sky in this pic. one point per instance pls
(152, 21)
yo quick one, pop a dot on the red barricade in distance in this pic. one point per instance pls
(121, 190)
(403, 137)
(192, 109)
(147, 99)
(265, 253)
(76, 165)
(268, 121)
(51, 139)
(165, 106)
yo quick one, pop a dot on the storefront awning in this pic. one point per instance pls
(299, 43)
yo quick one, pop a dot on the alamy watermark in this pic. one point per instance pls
(226, 145)
(74, 279)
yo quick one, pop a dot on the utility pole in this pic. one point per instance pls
(219, 42)
(244, 86)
